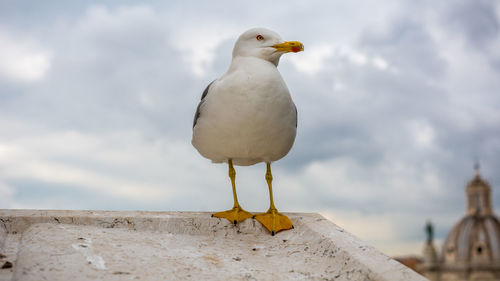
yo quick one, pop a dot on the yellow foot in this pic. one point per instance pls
(274, 221)
(235, 215)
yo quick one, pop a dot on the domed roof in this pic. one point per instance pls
(475, 239)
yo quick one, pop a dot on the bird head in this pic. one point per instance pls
(265, 44)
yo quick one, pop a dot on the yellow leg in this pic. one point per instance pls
(236, 214)
(272, 219)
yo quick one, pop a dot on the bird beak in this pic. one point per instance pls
(289, 46)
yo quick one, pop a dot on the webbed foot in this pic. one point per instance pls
(274, 221)
(235, 215)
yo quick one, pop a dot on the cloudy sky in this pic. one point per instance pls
(395, 102)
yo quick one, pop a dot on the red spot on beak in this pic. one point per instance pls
(295, 49)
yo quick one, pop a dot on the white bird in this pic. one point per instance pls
(247, 116)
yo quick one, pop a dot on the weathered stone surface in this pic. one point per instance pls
(99, 245)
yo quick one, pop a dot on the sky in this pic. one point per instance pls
(396, 102)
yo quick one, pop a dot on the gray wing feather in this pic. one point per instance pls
(197, 114)
(296, 116)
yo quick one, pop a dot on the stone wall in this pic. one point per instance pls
(101, 245)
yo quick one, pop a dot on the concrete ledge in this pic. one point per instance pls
(106, 245)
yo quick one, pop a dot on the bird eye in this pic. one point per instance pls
(260, 37)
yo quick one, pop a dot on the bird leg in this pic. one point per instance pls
(272, 219)
(236, 214)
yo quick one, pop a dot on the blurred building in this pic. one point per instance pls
(471, 250)
(412, 262)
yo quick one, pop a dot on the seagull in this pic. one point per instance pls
(247, 116)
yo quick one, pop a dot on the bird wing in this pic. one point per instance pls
(203, 96)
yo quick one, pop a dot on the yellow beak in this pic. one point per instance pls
(289, 46)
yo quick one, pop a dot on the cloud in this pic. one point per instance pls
(7, 198)
(477, 21)
(40, 160)
(423, 133)
(407, 42)
(373, 227)
(22, 60)
(313, 61)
